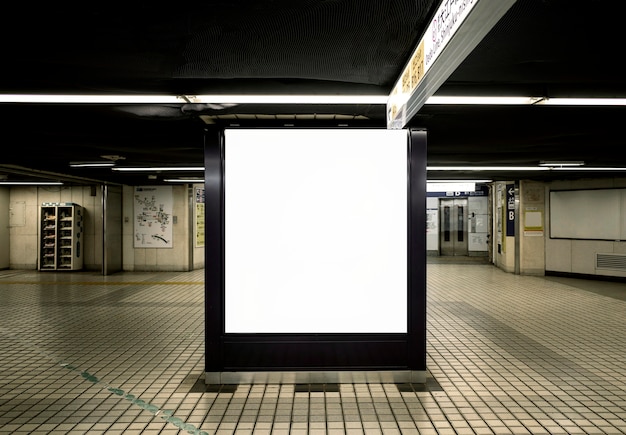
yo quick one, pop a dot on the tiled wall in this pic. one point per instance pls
(23, 232)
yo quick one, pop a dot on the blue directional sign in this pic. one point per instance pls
(510, 209)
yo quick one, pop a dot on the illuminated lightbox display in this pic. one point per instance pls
(315, 231)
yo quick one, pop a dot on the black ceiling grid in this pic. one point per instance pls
(543, 48)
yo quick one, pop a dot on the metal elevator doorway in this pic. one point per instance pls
(453, 227)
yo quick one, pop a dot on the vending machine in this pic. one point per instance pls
(60, 236)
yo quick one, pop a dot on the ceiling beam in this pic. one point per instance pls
(456, 29)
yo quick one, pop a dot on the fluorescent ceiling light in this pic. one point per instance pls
(91, 164)
(523, 168)
(459, 181)
(451, 100)
(191, 99)
(451, 187)
(184, 180)
(291, 99)
(560, 164)
(589, 168)
(91, 99)
(583, 102)
(487, 168)
(297, 99)
(157, 168)
(486, 100)
(31, 183)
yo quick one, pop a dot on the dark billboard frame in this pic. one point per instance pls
(233, 358)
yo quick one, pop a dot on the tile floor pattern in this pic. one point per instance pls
(85, 354)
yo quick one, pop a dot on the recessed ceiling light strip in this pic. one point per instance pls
(183, 180)
(31, 183)
(300, 99)
(194, 99)
(487, 168)
(158, 168)
(519, 100)
(525, 168)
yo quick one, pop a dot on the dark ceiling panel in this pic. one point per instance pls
(343, 41)
(540, 47)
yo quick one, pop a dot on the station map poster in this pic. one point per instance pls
(153, 217)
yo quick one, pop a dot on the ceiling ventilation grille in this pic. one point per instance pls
(611, 261)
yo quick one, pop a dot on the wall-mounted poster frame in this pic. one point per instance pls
(292, 357)
(199, 216)
(588, 214)
(153, 208)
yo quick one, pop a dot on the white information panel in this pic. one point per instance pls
(315, 231)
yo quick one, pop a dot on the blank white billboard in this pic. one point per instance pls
(315, 231)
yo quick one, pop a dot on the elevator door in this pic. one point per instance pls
(453, 227)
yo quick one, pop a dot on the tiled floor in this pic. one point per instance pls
(507, 354)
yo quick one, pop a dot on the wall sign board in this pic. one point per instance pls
(510, 209)
(456, 28)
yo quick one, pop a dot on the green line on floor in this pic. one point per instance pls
(166, 414)
(101, 283)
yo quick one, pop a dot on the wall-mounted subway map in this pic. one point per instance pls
(153, 217)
